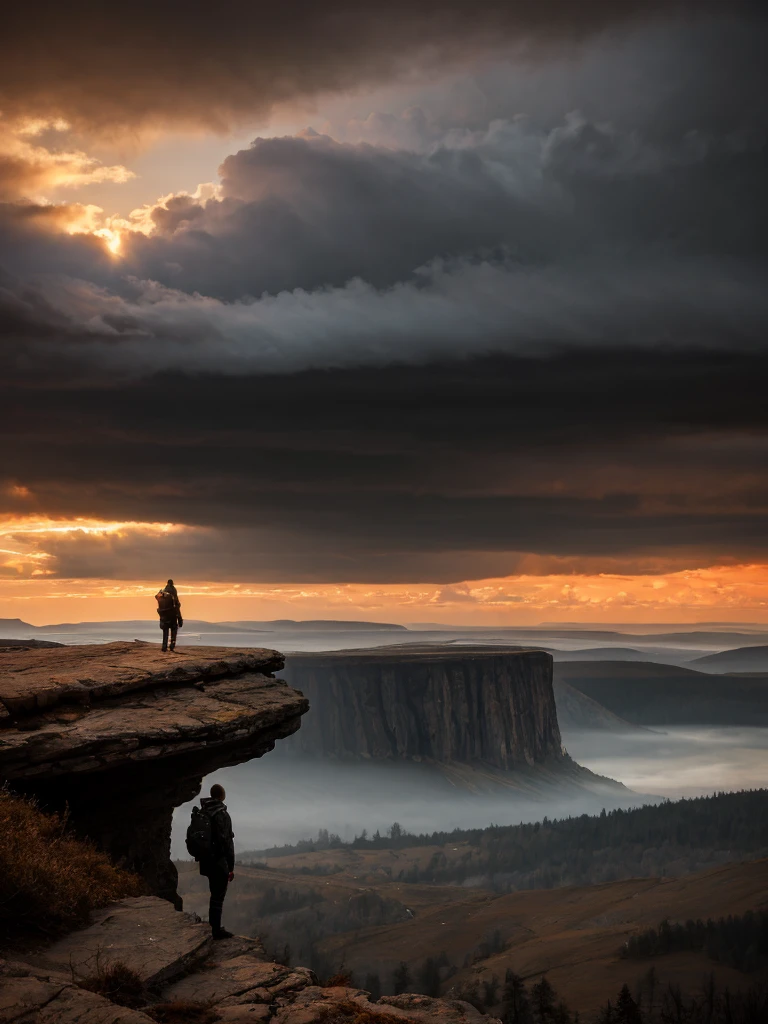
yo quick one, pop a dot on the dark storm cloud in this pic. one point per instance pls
(510, 240)
(442, 472)
(142, 61)
(308, 212)
(541, 338)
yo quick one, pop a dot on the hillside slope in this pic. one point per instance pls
(646, 693)
(743, 659)
(573, 934)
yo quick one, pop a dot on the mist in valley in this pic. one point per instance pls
(677, 761)
(283, 798)
(279, 800)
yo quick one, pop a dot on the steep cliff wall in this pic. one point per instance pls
(121, 734)
(470, 705)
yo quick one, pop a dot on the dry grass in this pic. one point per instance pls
(50, 880)
(347, 1012)
(339, 980)
(119, 984)
(124, 987)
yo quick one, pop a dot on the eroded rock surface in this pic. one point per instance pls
(174, 956)
(33, 679)
(121, 734)
(160, 721)
(35, 995)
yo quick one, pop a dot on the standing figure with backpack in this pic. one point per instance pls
(210, 840)
(169, 610)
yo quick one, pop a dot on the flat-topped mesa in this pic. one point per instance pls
(121, 734)
(465, 705)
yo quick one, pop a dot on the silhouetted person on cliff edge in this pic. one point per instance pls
(219, 865)
(169, 610)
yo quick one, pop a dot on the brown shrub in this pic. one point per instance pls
(347, 1012)
(339, 980)
(117, 983)
(182, 1011)
(49, 880)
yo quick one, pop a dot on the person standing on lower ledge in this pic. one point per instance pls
(169, 610)
(220, 865)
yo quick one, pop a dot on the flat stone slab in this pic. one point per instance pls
(140, 705)
(30, 995)
(34, 679)
(242, 979)
(146, 934)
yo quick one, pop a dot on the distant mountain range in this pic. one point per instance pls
(245, 625)
(649, 694)
(744, 659)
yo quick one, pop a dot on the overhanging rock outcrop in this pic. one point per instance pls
(121, 734)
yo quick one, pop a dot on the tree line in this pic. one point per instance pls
(669, 838)
(740, 941)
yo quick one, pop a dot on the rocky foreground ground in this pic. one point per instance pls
(173, 955)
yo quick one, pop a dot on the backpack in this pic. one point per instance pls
(200, 843)
(165, 602)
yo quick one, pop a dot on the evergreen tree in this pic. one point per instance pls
(401, 978)
(491, 991)
(429, 978)
(373, 985)
(516, 1008)
(627, 1010)
(543, 1002)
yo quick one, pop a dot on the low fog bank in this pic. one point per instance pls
(277, 800)
(280, 800)
(678, 761)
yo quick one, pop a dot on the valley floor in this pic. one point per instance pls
(574, 935)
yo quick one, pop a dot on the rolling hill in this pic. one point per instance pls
(646, 693)
(743, 659)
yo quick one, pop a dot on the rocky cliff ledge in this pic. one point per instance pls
(122, 733)
(429, 702)
(171, 955)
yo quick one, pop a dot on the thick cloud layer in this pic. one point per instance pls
(140, 61)
(319, 254)
(451, 354)
(444, 472)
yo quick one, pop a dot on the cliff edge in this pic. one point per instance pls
(470, 705)
(121, 734)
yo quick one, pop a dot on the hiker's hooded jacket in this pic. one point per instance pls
(223, 858)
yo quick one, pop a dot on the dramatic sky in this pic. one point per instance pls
(409, 311)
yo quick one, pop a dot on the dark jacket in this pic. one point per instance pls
(223, 837)
(172, 617)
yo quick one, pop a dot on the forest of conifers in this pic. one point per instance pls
(669, 838)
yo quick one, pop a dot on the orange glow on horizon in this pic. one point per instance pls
(51, 570)
(718, 593)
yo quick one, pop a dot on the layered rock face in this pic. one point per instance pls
(468, 705)
(121, 734)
